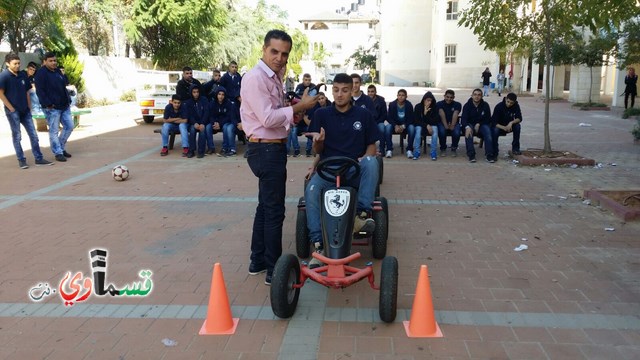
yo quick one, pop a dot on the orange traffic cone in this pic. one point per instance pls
(219, 320)
(423, 321)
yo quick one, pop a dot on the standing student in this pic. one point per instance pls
(486, 80)
(267, 122)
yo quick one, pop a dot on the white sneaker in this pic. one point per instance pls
(409, 154)
(314, 263)
(388, 154)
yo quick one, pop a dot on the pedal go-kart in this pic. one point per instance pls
(337, 232)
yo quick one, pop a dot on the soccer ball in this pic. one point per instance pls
(120, 173)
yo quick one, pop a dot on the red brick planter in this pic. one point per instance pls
(602, 198)
(533, 157)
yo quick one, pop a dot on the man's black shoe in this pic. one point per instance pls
(267, 280)
(516, 152)
(61, 158)
(189, 155)
(66, 154)
(255, 269)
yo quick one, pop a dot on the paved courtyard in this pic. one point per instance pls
(574, 294)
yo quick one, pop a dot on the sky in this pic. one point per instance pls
(300, 8)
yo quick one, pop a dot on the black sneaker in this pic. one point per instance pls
(255, 269)
(66, 154)
(200, 156)
(189, 155)
(308, 154)
(267, 279)
(472, 160)
(490, 160)
(296, 153)
(61, 158)
(516, 152)
(43, 162)
(23, 164)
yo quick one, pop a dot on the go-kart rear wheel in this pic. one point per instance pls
(379, 237)
(385, 207)
(380, 168)
(377, 190)
(302, 235)
(284, 298)
(388, 289)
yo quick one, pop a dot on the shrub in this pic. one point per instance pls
(128, 96)
(630, 112)
(636, 131)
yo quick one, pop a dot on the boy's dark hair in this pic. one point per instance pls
(277, 35)
(233, 63)
(186, 68)
(175, 97)
(216, 71)
(343, 78)
(356, 76)
(49, 55)
(320, 93)
(511, 96)
(476, 89)
(306, 76)
(402, 91)
(372, 87)
(32, 65)
(450, 92)
(11, 56)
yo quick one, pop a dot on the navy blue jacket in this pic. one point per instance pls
(449, 109)
(472, 115)
(169, 112)
(346, 134)
(15, 89)
(183, 88)
(232, 84)
(503, 115)
(431, 117)
(364, 101)
(210, 89)
(223, 113)
(380, 105)
(197, 110)
(51, 88)
(300, 88)
(392, 115)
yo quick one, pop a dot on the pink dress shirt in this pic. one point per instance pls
(262, 109)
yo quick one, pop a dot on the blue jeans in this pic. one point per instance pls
(455, 136)
(488, 142)
(15, 119)
(386, 132)
(268, 162)
(184, 133)
(485, 90)
(293, 139)
(202, 139)
(229, 137)
(366, 184)
(434, 139)
(415, 138)
(58, 139)
(208, 132)
(515, 143)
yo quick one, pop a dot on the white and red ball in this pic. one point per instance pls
(120, 173)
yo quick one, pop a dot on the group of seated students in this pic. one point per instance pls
(447, 117)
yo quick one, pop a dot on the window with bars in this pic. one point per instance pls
(450, 54)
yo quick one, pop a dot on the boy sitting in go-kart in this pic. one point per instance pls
(342, 130)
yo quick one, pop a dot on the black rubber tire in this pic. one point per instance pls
(377, 190)
(148, 119)
(385, 208)
(379, 237)
(388, 289)
(303, 247)
(380, 169)
(284, 298)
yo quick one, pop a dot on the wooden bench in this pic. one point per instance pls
(172, 136)
(423, 141)
(41, 120)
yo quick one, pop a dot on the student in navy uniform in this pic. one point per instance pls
(175, 118)
(210, 88)
(476, 119)
(425, 121)
(14, 89)
(231, 81)
(400, 115)
(360, 99)
(183, 88)
(384, 128)
(223, 117)
(198, 115)
(343, 130)
(55, 101)
(449, 111)
(506, 119)
(303, 126)
(305, 84)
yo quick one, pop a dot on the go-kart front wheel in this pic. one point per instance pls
(380, 234)
(284, 297)
(302, 235)
(388, 289)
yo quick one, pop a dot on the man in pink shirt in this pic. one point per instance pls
(267, 122)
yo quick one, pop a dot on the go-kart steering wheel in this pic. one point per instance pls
(332, 167)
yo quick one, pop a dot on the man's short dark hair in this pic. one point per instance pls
(402, 91)
(176, 97)
(343, 78)
(512, 96)
(233, 63)
(306, 76)
(277, 35)
(32, 65)
(10, 57)
(186, 68)
(216, 71)
(450, 92)
(372, 87)
(49, 55)
(356, 76)
(476, 89)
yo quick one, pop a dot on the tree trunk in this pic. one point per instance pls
(127, 47)
(590, 84)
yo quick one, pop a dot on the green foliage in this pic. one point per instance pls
(596, 51)
(65, 51)
(630, 112)
(89, 22)
(128, 96)
(364, 59)
(23, 23)
(629, 52)
(636, 131)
